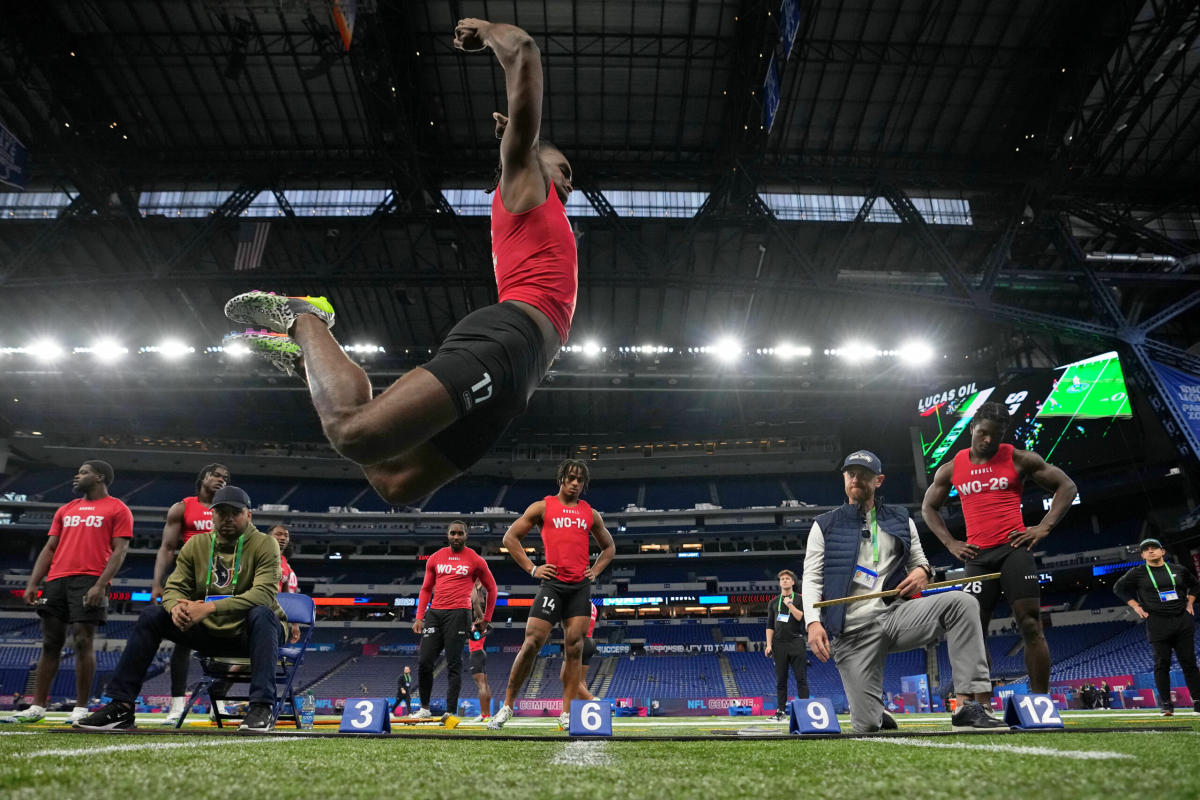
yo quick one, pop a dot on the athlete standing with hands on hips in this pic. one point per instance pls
(444, 614)
(989, 477)
(440, 418)
(568, 524)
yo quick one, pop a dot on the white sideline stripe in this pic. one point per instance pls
(241, 741)
(18, 733)
(583, 754)
(1083, 755)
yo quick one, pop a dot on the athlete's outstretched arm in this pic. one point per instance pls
(608, 547)
(515, 536)
(518, 54)
(935, 497)
(1051, 478)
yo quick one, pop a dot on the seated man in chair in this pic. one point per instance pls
(219, 601)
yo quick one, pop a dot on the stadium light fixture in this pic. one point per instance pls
(856, 352)
(915, 352)
(106, 351)
(786, 351)
(727, 349)
(236, 350)
(172, 349)
(46, 350)
(591, 348)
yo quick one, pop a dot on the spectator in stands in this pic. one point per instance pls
(864, 547)
(787, 641)
(88, 540)
(220, 600)
(288, 582)
(1166, 599)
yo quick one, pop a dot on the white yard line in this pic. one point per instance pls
(241, 741)
(1083, 755)
(583, 754)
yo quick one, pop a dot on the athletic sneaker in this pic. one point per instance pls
(778, 716)
(422, 713)
(502, 716)
(77, 714)
(1168, 712)
(888, 723)
(564, 720)
(480, 718)
(175, 711)
(31, 714)
(114, 716)
(258, 718)
(278, 348)
(275, 311)
(974, 717)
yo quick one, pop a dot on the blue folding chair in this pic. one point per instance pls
(222, 671)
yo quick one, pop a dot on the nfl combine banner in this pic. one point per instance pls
(14, 160)
(1183, 392)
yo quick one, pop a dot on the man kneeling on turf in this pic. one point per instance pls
(864, 547)
(220, 600)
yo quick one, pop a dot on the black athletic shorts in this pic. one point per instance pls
(589, 648)
(490, 363)
(557, 601)
(63, 599)
(478, 662)
(1018, 579)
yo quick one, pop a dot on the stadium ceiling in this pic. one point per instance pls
(1070, 128)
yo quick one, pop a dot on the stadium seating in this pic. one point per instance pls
(668, 676)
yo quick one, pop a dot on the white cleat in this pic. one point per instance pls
(564, 720)
(423, 713)
(502, 716)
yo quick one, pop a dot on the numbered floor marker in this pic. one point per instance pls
(1027, 711)
(814, 715)
(590, 718)
(366, 715)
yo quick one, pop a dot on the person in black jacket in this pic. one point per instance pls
(787, 641)
(1165, 596)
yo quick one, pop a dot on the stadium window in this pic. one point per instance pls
(843, 208)
(625, 202)
(32, 205)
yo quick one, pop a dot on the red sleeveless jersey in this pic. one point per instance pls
(197, 518)
(991, 496)
(592, 624)
(566, 533)
(534, 257)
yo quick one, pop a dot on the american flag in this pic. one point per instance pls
(252, 240)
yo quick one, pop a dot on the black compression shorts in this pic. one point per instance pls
(478, 661)
(1018, 579)
(490, 363)
(556, 600)
(63, 598)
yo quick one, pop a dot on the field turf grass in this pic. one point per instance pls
(46, 761)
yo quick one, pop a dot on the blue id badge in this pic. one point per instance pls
(210, 598)
(1169, 594)
(783, 617)
(865, 577)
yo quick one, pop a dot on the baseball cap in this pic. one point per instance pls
(863, 458)
(1150, 543)
(231, 496)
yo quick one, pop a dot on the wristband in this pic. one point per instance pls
(533, 570)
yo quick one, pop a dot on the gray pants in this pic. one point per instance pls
(905, 626)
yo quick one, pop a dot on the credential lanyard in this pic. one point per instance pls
(1170, 574)
(212, 560)
(874, 536)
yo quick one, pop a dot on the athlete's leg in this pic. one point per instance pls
(413, 475)
(456, 640)
(537, 631)
(427, 654)
(1028, 616)
(574, 630)
(485, 693)
(987, 593)
(54, 636)
(85, 661)
(180, 658)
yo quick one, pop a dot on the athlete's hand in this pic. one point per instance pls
(469, 34)
(914, 583)
(1191, 606)
(819, 640)
(963, 551)
(295, 637)
(156, 593)
(501, 123)
(30, 595)
(767, 650)
(95, 596)
(590, 574)
(1141, 612)
(545, 572)
(1028, 537)
(418, 626)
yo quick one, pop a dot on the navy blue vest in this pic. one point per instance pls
(842, 528)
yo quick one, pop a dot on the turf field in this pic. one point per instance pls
(738, 758)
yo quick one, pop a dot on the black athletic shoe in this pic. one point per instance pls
(974, 717)
(1196, 706)
(258, 718)
(778, 716)
(888, 723)
(114, 716)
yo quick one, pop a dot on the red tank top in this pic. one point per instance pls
(566, 534)
(197, 518)
(475, 645)
(534, 257)
(991, 496)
